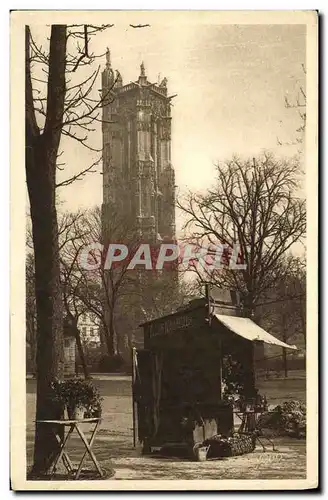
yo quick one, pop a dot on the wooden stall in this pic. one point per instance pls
(177, 377)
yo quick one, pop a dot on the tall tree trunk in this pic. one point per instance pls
(107, 330)
(81, 353)
(41, 155)
(285, 361)
(284, 354)
(109, 342)
(111, 339)
(70, 323)
(31, 331)
(303, 318)
(107, 338)
(102, 335)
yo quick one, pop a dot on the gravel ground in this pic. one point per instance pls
(113, 446)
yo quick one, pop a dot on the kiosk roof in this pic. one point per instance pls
(246, 328)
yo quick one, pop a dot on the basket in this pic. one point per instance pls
(238, 444)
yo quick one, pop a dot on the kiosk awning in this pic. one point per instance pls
(245, 327)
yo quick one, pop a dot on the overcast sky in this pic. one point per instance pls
(230, 82)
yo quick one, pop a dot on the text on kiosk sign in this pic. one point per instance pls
(170, 325)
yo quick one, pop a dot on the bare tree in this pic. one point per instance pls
(70, 281)
(297, 103)
(169, 292)
(98, 291)
(73, 307)
(284, 308)
(254, 206)
(64, 109)
(104, 289)
(113, 294)
(58, 103)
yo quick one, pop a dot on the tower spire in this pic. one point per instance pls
(108, 61)
(142, 78)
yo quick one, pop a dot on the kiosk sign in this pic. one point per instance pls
(170, 325)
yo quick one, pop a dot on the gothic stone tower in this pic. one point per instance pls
(138, 177)
(137, 153)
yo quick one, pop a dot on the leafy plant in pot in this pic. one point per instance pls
(80, 397)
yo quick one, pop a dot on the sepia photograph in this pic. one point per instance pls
(164, 308)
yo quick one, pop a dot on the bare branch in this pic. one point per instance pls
(254, 205)
(80, 175)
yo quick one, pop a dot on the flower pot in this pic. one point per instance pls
(76, 412)
(201, 453)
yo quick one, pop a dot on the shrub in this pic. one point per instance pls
(286, 419)
(77, 392)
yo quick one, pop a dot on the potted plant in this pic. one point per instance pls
(80, 397)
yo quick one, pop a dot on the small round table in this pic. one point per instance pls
(62, 454)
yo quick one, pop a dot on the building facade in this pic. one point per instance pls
(138, 177)
(89, 328)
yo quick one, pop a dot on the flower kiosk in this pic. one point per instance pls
(178, 386)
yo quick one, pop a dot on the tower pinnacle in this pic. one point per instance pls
(142, 69)
(108, 61)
